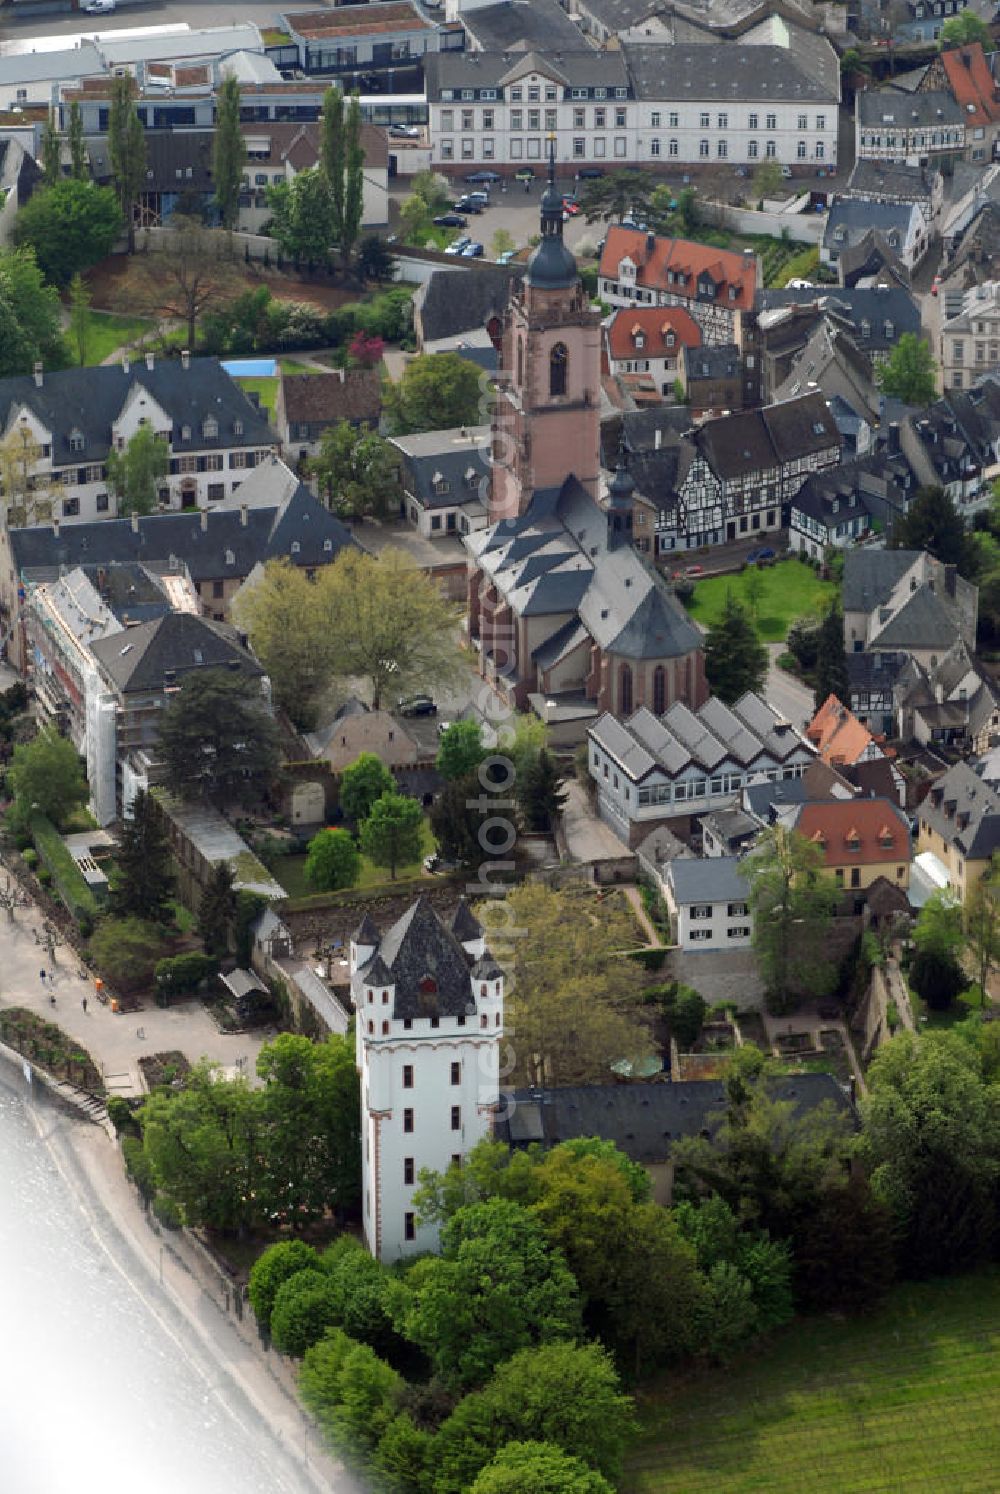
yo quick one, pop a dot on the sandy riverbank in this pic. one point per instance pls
(253, 1388)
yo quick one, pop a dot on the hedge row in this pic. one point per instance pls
(70, 883)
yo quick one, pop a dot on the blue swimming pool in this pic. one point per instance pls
(251, 368)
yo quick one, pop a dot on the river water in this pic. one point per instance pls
(103, 1382)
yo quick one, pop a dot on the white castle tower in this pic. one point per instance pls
(429, 1020)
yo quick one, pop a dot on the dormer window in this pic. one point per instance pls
(439, 483)
(77, 441)
(327, 548)
(210, 427)
(237, 427)
(639, 339)
(852, 840)
(296, 547)
(889, 331)
(185, 433)
(819, 429)
(230, 557)
(671, 339)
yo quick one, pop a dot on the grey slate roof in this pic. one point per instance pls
(907, 111)
(268, 534)
(762, 799)
(965, 812)
(643, 1119)
(142, 658)
(710, 879)
(464, 926)
(867, 307)
(167, 153)
(724, 72)
(721, 362)
(456, 301)
(417, 949)
(89, 401)
(857, 217)
(889, 179)
(870, 576)
(584, 68)
(66, 63)
(923, 622)
(520, 25)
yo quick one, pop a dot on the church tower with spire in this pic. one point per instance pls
(546, 420)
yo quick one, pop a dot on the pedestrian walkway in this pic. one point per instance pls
(115, 1040)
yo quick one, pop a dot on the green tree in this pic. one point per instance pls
(735, 658)
(436, 391)
(354, 168)
(47, 776)
(303, 1311)
(931, 1134)
(459, 817)
(831, 659)
(687, 207)
(311, 1116)
(502, 242)
(333, 861)
(558, 1393)
(982, 928)
(282, 614)
(686, 1010)
(30, 316)
(126, 951)
(935, 970)
(538, 1468)
(844, 1250)
(143, 881)
(127, 149)
(302, 223)
(792, 900)
(361, 783)
(540, 793)
(353, 1396)
(387, 622)
(191, 271)
(392, 835)
(135, 473)
(70, 226)
(79, 318)
(578, 1008)
(229, 151)
(333, 156)
(461, 749)
(203, 1144)
(616, 195)
(753, 589)
(376, 260)
(51, 152)
(356, 471)
(433, 190)
(964, 29)
(77, 143)
(496, 1287)
(216, 739)
(910, 373)
(933, 523)
(216, 909)
(365, 1293)
(274, 1267)
(767, 179)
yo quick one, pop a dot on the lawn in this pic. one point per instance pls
(903, 1399)
(266, 391)
(291, 870)
(788, 590)
(108, 332)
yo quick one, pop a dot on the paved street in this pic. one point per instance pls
(787, 694)
(112, 1039)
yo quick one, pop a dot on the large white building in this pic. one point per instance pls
(428, 1002)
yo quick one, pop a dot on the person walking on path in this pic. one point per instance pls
(83, 1003)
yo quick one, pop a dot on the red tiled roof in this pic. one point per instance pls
(654, 258)
(837, 734)
(971, 83)
(656, 324)
(876, 828)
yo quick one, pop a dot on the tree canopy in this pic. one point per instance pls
(617, 194)
(30, 316)
(910, 373)
(216, 738)
(127, 149)
(933, 523)
(333, 861)
(461, 750)
(436, 392)
(392, 834)
(831, 659)
(735, 658)
(302, 223)
(191, 271)
(135, 474)
(143, 881)
(966, 27)
(70, 226)
(357, 471)
(538, 1468)
(792, 899)
(229, 151)
(361, 783)
(47, 776)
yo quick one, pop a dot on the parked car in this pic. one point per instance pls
(935, 285)
(474, 250)
(459, 245)
(694, 570)
(525, 174)
(449, 220)
(590, 173)
(571, 206)
(760, 556)
(416, 705)
(483, 176)
(481, 196)
(99, 7)
(408, 132)
(469, 205)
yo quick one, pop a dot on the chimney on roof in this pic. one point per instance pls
(657, 439)
(55, 528)
(185, 359)
(204, 520)
(650, 242)
(149, 361)
(135, 521)
(126, 364)
(748, 258)
(343, 375)
(39, 373)
(244, 515)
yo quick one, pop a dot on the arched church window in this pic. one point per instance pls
(520, 362)
(558, 359)
(624, 690)
(659, 690)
